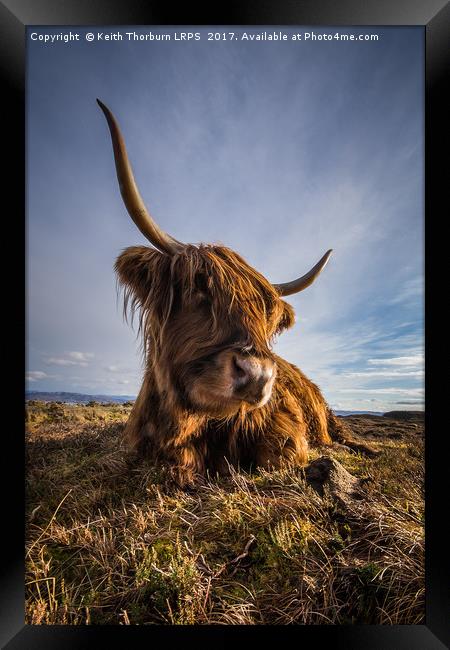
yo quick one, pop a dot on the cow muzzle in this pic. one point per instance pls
(253, 379)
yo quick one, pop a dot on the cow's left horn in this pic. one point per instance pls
(288, 288)
(130, 193)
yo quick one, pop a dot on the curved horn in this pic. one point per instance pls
(130, 193)
(288, 288)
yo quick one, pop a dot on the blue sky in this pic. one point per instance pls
(279, 150)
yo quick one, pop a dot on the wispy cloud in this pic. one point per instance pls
(119, 368)
(392, 374)
(385, 391)
(111, 383)
(36, 375)
(70, 359)
(414, 360)
(80, 356)
(411, 290)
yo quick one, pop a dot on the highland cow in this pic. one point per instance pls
(214, 394)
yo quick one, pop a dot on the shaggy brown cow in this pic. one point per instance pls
(214, 394)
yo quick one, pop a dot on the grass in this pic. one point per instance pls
(111, 542)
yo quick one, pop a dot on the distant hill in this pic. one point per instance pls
(81, 398)
(405, 415)
(77, 398)
(344, 413)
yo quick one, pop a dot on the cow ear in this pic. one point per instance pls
(137, 267)
(287, 317)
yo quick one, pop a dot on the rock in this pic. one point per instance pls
(340, 447)
(366, 450)
(326, 471)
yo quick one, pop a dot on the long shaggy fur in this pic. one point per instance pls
(192, 306)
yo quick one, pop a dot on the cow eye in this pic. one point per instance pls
(202, 299)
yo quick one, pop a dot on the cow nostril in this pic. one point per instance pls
(239, 371)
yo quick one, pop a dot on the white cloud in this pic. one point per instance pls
(60, 361)
(386, 373)
(80, 356)
(35, 375)
(415, 360)
(107, 383)
(70, 359)
(413, 392)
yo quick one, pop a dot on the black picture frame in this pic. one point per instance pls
(434, 16)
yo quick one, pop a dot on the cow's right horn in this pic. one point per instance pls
(130, 193)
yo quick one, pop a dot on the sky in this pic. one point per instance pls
(277, 149)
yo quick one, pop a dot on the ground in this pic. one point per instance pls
(110, 541)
